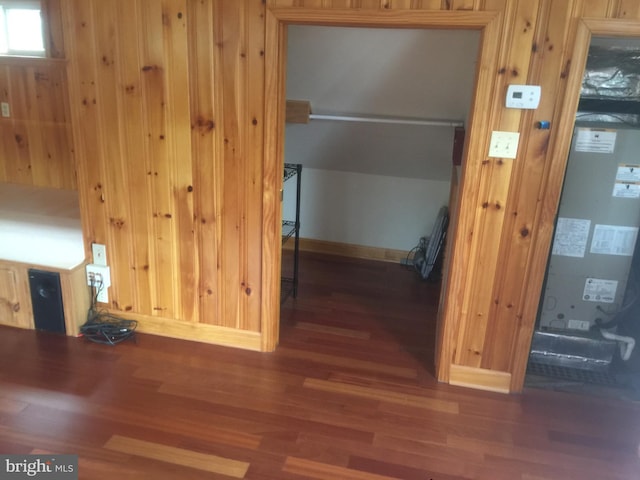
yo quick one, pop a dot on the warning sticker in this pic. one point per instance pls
(598, 290)
(595, 140)
(626, 190)
(628, 173)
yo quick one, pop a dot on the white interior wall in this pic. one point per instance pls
(363, 209)
(370, 184)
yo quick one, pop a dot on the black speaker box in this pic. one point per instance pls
(46, 300)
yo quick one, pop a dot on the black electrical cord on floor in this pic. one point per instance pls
(102, 327)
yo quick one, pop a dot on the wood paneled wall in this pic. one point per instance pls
(167, 104)
(35, 142)
(178, 118)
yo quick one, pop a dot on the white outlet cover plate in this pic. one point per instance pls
(504, 144)
(99, 252)
(6, 111)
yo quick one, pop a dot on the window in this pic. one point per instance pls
(21, 29)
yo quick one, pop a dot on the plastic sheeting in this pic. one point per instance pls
(612, 73)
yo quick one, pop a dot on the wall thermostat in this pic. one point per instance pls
(523, 96)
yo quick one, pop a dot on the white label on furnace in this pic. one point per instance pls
(598, 290)
(626, 190)
(595, 140)
(578, 325)
(571, 237)
(628, 173)
(614, 240)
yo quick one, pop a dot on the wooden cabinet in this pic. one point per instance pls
(15, 296)
(15, 299)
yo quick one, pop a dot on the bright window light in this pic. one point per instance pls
(21, 29)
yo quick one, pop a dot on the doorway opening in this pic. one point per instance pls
(376, 155)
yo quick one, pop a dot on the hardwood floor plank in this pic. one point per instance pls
(427, 448)
(345, 362)
(383, 395)
(178, 456)
(344, 332)
(322, 471)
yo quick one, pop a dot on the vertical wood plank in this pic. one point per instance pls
(232, 50)
(79, 38)
(595, 8)
(19, 82)
(174, 21)
(252, 269)
(207, 145)
(628, 9)
(431, 5)
(33, 120)
(367, 4)
(463, 4)
(7, 135)
(397, 4)
(275, 55)
(57, 162)
(121, 127)
(156, 76)
(137, 144)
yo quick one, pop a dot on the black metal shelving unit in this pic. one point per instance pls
(291, 229)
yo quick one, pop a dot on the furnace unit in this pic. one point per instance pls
(589, 267)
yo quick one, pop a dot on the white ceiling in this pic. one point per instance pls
(388, 72)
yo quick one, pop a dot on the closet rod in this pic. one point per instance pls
(389, 120)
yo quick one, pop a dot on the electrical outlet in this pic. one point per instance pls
(99, 277)
(99, 252)
(504, 144)
(6, 111)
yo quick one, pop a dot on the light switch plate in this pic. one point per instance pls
(504, 144)
(6, 111)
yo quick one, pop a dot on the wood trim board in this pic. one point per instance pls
(350, 250)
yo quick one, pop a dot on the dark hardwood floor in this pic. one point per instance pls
(349, 394)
